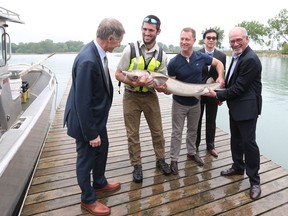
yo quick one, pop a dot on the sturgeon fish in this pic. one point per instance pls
(176, 87)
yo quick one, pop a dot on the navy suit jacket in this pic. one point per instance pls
(89, 99)
(213, 72)
(243, 91)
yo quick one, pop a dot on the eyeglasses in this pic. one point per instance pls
(150, 20)
(211, 38)
(238, 41)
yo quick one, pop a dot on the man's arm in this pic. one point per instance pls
(220, 70)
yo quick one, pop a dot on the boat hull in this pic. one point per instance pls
(20, 147)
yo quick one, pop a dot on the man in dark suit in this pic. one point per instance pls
(244, 100)
(87, 110)
(210, 105)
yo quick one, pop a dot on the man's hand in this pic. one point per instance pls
(162, 88)
(145, 80)
(211, 93)
(96, 142)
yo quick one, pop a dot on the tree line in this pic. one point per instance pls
(47, 46)
(274, 33)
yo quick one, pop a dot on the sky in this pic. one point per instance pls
(62, 21)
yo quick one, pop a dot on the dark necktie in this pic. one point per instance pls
(210, 54)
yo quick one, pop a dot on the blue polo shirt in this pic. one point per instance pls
(189, 72)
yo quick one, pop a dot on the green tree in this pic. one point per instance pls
(48, 46)
(73, 46)
(220, 36)
(278, 28)
(256, 31)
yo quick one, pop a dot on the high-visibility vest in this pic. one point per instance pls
(137, 62)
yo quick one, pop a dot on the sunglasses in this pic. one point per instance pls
(211, 38)
(150, 20)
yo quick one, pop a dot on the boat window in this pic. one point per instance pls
(2, 47)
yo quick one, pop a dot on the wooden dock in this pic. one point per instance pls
(195, 191)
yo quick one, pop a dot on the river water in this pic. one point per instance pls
(272, 137)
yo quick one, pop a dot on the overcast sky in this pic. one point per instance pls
(61, 21)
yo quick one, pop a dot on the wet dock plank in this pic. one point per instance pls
(195, 191)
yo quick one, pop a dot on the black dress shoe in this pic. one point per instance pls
(163, 167)
(196, 158)
(231, 172)
(255, 192)
(174, 167)
(137, 174)
(213, 152)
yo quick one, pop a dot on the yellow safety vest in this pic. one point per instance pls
(137, 62)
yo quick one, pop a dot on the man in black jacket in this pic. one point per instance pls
(244, 100)
(210, 105)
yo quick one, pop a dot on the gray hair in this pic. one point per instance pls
(188, 29)
(110, 26)
(239, 28)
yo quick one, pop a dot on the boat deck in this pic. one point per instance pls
(195, 191)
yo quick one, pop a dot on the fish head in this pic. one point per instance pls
(158, 78)
(135, 74)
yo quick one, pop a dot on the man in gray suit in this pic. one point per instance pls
(87, 110)
(244, 100)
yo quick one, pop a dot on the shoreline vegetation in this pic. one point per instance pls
(70, 47)
(228, 53)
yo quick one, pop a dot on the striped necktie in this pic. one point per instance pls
(106, 70)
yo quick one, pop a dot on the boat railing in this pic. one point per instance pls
(26, 68)
(8, 13)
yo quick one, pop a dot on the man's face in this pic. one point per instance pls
(210, 40)
(113, 43)
(186, 41)
(149, 33)
(237, 41)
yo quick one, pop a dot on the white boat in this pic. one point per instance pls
(27, 105)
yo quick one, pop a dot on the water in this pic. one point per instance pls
(271, 133)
